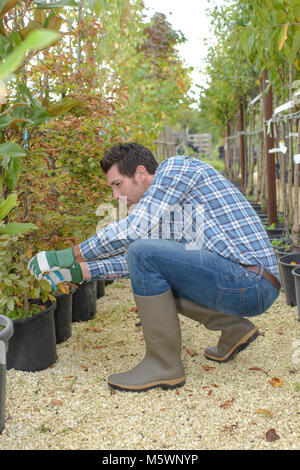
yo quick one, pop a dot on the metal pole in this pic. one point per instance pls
(270, 161)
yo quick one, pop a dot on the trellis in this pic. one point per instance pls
(285, 130)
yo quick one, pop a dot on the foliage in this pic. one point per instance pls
(109, 75)
(17, 285)
(250, 36)
(22, 112)
(125, 79)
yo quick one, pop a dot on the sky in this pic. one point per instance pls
(188, 16)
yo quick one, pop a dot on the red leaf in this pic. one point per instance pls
(191, 352)
(271, 435)
(207, 368)
(227, 403)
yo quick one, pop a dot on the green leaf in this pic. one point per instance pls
(15, 39)
(2, 179)
(38, 113)
(10, 149)
(12, 166)
(295, 47)
(13, 276)
(40, 38)
(62, 108)
(58, 4)
(25, 92)
(10, 304)
(8, 205)
(45, 285)
(5, 121)
(11, 154)
(36, 40)
(23, 283)
(283, 36)
(16, 228)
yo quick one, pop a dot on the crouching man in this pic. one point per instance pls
(212, 261)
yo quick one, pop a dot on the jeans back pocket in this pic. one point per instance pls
(245, 301)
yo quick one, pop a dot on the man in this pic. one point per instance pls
(191, 244)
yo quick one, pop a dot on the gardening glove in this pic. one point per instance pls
(46, 261)
(73, 274)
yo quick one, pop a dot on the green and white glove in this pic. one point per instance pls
(73, 274)
(46, 261)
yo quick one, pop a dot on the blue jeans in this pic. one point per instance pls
(202, 276)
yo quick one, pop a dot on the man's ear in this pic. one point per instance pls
(141, 173)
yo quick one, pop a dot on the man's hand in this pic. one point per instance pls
(46, 261)
(73, 274)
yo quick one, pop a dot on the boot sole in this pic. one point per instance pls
(240, 346)
(170, 384)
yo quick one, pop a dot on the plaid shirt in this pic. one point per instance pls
(232, 228)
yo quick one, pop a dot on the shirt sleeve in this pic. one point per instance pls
(115, 267)
(174, 178)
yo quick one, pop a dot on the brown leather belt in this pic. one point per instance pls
(266, 274)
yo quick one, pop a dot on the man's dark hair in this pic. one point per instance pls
(128, 157)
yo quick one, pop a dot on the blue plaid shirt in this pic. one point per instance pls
(232, 228)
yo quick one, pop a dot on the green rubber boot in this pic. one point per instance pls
(236, 332)
(161, 366)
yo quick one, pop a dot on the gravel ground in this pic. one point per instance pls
(251, 402)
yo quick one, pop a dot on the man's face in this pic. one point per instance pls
(133, 188)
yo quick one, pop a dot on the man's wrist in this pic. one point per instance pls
(77, 253)
(85, 271)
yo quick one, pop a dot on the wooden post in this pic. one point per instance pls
(290, 152)
(227, 154)
(250, 181)
(269, 144)
(241, 121)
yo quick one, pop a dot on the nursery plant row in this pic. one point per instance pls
(29, 344)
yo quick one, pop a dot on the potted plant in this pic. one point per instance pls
(274, 230)
(63, 311)
(30, 305)
(282, 246)
(288, 262)
(85, 302)
(6, 332)
(296, 275)
(100, 289)
(256, 206)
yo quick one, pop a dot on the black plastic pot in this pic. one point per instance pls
(63, 315)
(100, 289)
(288, 279)
(296, 274)
(260, 213)
(278, 253)
(255, 206)
(33, 345)
(275, 232)
(5, 334)
(84, 302)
